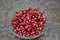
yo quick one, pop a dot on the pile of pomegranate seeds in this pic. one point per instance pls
(28, 22)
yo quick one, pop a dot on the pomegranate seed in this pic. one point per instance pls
(35, 9)
(28, 22)
(24, 11)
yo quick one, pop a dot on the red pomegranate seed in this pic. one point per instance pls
(35, 9)
(28, 22)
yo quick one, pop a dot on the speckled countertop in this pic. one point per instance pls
(52, 31)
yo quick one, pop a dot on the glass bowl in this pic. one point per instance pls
(10, 28)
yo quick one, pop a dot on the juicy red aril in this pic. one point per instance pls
(28, 22)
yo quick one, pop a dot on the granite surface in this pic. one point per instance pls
(51, 8)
